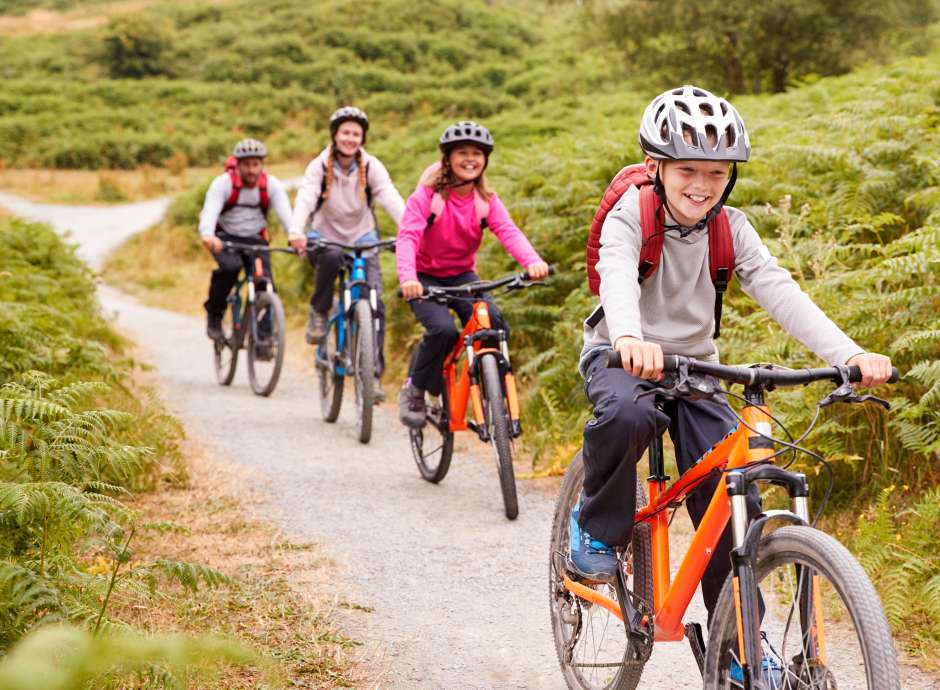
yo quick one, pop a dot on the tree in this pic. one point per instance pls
(742, 46)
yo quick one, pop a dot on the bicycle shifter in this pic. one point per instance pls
(685, 386)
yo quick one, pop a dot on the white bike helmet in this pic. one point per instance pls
(249, 148)
(690, 123)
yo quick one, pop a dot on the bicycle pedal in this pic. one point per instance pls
(480, 430)
(693, 631)
(576, 576)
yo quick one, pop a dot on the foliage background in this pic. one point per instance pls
(843, 185)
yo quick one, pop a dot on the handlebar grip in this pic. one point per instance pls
(615, 361)
(855, 375)
(525, 274)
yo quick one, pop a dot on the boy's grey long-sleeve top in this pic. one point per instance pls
(245, 219)
(675, 306)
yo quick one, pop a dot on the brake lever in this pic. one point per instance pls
(845, 393)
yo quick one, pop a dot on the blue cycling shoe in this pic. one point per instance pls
(771, 672)
(590, 559)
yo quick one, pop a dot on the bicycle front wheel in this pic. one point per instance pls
(363, 357)
(590, 641)
(225, 349)
(497, 421)
(331, 383)
(823, 626)
(266, 343)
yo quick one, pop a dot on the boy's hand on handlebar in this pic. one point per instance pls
(875, 368)
(537, 270)
(411, 289)
(640, 358)
(212, 244)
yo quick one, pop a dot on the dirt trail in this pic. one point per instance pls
(459, 593)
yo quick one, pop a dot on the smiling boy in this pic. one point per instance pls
(692, 141)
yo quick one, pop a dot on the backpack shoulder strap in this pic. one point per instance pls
(368, 185)
(720, 260)
(263, 193)
(236, 190)
(651, 223)
(481, 209)
(322, 196)
(437, 205)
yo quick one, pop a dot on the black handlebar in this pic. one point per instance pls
(478, 287)
(381, 244)
(255, 248)
(755, 375)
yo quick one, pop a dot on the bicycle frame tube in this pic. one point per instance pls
(460, 389)
(671, 599)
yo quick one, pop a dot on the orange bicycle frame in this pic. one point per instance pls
(461, 392)
(671, 597)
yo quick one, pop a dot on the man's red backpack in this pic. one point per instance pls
(652, 222)
(231, 167)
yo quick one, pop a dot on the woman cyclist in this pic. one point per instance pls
(337, 195)
(438, 239)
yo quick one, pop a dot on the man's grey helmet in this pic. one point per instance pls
(466, 132)
(690, 123)
(249, 148)
(348, 113)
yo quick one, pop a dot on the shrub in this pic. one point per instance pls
(136, 46)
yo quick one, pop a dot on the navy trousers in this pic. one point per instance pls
(440, 335)
(230, 264)
(615, 440)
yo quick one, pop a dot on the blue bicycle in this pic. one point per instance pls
(350, 347)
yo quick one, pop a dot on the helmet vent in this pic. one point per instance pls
(711, 133)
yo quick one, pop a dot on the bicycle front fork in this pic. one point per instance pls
(746, 536)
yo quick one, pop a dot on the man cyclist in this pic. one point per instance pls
(235, 210)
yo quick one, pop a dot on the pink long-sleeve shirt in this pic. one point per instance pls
(449, 247)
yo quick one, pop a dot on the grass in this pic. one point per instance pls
(285, 604)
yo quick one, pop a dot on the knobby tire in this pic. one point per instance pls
(640, 582)
(498, 423)
(266, 303)
(363, 357)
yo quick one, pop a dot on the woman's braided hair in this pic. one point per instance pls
(360, 168)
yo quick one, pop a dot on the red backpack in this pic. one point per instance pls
(652, 220)
(231, 167)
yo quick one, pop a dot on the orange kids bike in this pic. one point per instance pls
(796, 600)
(484, 383)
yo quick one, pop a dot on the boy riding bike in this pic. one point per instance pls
(670, 303)
(337, 195)
(235, 210)
(438, 239)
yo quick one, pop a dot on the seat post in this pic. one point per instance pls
(656, 461)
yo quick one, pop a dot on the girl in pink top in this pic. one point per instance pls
(438, 238)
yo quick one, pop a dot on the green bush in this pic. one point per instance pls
(75, 437)
(191, 79)
(134, 47)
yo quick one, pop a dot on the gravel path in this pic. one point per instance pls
(458, 592)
